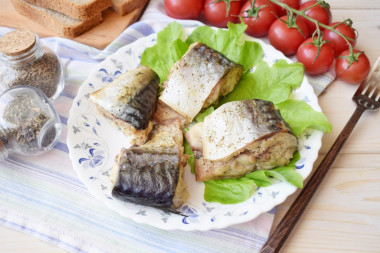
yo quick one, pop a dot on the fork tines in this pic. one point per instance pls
(368, 93)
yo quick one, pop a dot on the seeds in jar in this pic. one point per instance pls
(24, 60)
(43, 73)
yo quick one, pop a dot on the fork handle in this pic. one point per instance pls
(288, 222)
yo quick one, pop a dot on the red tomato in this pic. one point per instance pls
(215, 13)
(339, 44)
(183, 9)
(307, 54)
(319, 12)
(259, 22)
(286, 39)
(357, 71)
(295, 4)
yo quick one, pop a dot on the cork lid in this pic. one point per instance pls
(17, 42)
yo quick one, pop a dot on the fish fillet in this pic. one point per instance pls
(240, 137)
(152, 174)
(129, 102)
(198, 79)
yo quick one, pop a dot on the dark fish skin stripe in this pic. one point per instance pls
(147, 178)
(265, 116)
(211, 55)
(141, 107)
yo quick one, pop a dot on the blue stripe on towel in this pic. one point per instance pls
(66, 94)
(143, 28)
(62, 146)
(63, 119)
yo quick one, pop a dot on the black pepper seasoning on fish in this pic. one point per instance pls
(240, 137)
(198, 79)
(129, 102)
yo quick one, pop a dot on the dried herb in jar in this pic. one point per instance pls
(43, 73)
(29, 125)
(26, 121)
(27, 62)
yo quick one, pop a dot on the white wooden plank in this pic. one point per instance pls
(344, 214)
(352, 4)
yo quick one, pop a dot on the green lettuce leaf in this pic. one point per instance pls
(170, 47)
(201, 116)
(230, 43)
(273, 83)
(168, 50)
(236, 190)
(286, 173)
(268, 83)
(229, 191)
(300, 116)
(261, 178)
(190, 159)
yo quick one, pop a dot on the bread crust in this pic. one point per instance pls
(56, 21)
(126, 6)
(73, 9)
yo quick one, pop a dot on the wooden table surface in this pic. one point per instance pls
(344, 215)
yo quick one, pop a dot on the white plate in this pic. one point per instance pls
(93, 144)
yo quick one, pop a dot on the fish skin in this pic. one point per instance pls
(131, 97)
(235, 125)
(240, 137)
(147, 178)
(142, 106)
(198, 79)
(152, 174)
(266, 153)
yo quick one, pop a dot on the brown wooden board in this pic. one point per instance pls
(99, 37)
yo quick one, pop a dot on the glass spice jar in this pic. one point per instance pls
(24, 60)
(29, 125)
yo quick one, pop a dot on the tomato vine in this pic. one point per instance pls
(291, 11)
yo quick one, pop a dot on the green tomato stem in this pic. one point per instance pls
(317, 23)
(227, 2)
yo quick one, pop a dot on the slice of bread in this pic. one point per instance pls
(58, 22)
(125, 6)
(79, 9)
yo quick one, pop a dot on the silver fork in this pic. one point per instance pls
(367, 97)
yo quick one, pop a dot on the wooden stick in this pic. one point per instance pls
(288, 222)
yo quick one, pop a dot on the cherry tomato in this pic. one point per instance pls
(286, 39)
(315, 65)
(319, 12)
(339, 44)
(295, 4)
(183, 9)
(258, 22)
(215, 12)
(357, 71)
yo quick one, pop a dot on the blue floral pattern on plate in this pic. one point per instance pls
(107, 77)
(93, 143)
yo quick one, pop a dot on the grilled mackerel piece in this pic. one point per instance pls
(152, 174)
(198, 79)
(129, 102)
(240, 137)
